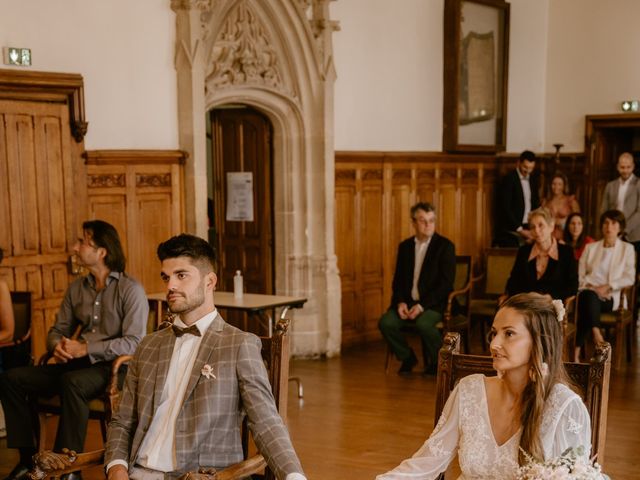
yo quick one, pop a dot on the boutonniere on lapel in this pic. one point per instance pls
(207, 371)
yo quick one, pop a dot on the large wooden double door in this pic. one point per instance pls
(39, 204)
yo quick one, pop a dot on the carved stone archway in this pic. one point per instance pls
(277, 57)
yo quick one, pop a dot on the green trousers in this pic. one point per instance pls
(393, 329)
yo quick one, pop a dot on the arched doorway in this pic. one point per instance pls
(277, 57)
(240, 179)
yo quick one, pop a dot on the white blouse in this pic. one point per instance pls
(464, 428)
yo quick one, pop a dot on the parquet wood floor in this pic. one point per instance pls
(356, 422)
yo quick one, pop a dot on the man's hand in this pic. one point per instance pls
(118, 472)
(403, 311)
(67, 350)
(60, 355)
(74, 348)
(415, 311)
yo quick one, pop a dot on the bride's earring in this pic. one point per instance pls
(532, 375)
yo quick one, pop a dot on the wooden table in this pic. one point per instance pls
(263, 306)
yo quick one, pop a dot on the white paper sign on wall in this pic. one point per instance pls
(239, 197)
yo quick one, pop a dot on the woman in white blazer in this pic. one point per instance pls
(605, 268)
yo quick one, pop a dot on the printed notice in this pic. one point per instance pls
(239, 197)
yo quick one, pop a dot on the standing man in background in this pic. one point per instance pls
(516, 196)
(623, 194)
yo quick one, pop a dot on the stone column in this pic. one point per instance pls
(189, 63)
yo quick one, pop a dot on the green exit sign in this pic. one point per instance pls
(17, 56)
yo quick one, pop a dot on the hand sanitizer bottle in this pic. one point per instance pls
(237, 285)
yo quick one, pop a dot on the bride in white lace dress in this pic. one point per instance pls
(490, 421)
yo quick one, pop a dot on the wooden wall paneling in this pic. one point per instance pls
(397, 223)
(42, 126)
(5, 215)
(469, 223)
(154, 229)
(141, 193)
(447, 203)
(22, 183)
(372, 205)
(38, 163)
(346, 249)
(370, 270)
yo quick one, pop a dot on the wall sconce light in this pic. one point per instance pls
(630, 105)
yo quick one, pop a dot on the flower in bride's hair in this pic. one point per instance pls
(560, 311)
(544, 369)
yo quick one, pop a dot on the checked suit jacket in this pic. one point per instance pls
(207, 427)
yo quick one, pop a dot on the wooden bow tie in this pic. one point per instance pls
(193, 330)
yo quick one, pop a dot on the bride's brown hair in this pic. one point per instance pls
(542, 322)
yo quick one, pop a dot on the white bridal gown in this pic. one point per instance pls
(464, 429)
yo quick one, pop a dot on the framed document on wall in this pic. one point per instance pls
(476, 52)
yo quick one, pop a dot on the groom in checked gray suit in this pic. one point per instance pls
(180, 407)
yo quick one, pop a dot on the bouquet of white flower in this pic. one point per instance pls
(573, 464)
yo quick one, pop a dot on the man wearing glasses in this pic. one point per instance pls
(425, 270)
(103, 315)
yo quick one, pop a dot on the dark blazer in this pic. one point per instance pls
(436, 277)
(560, 280)
(510, 202)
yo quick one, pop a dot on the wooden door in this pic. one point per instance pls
(37, 205)
(607, 137)
(242, 143)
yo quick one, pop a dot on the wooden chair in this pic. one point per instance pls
(591, 380)
(493, 281)
(17, 352)
(456, 316)
(619, 325)
(275, 353)
(569, 328)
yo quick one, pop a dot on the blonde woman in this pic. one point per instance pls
(545, 266)
(492, 423)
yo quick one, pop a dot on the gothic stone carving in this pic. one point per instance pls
(243, 54)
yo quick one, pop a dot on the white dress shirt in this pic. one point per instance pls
(622, 192)
(526, 190)
(421, 252)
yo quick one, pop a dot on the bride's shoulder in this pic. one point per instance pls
(473, 383)
(561, 397)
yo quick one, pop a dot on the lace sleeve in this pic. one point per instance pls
(573, 428)
(437, 452)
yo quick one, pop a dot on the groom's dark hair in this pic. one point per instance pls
(184, 245)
